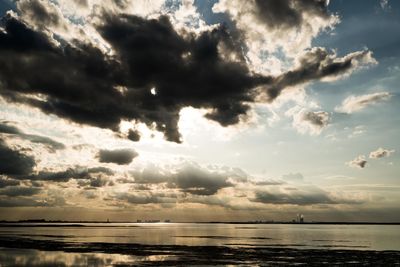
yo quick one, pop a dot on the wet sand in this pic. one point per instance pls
(178, 255)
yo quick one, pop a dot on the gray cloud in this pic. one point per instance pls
(295, 199)
(148, 198)
(283, 14)
(318, 119)
(133, 135)
(99, 181)
(41, 13)
(308, 195)
(54, 145)
(118, 156)
(312, 122)
(26, 198)
(380, 153)
(189, 178)
(358, 162)
(192, 184)
(21, 202)
(15, 191)
(5, 128)
(317, 63)
(167, 199)
(71, 173)
(270, 182)
(4, 182)
(90, 194)
(82, 3)
(279, 24)
(8, 129)
(89, 182)
(198, 181)
(151, 175)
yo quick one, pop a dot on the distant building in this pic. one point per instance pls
(299, 218)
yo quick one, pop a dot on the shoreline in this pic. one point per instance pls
(80, 223)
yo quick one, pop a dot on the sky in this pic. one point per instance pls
(189, 110)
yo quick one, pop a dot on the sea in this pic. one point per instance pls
(197, 244)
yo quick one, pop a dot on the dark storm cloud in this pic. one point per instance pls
(86, 86)
(78, 84)
(289, 13)
(185, 71)
(118, 156)
(19, 38)
(14, 163)
(12, 130)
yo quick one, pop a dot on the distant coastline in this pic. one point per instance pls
(79, 223)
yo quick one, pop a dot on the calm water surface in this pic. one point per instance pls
(362, 237)
(331, 237)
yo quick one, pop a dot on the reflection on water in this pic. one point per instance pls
(369, 237)
(200, 244)
(36, 258)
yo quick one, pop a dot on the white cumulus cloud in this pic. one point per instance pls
(356, 103)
